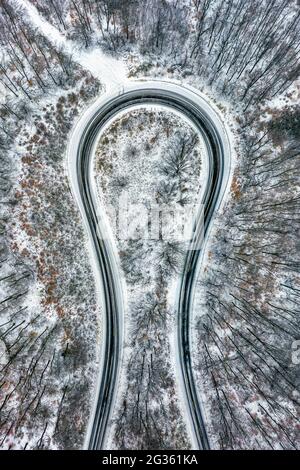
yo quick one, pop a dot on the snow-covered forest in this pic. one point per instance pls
(57, 57)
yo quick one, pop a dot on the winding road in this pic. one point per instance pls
(81, 147)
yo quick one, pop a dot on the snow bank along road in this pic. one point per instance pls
(80, 151)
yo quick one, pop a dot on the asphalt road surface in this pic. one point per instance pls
(195, 107)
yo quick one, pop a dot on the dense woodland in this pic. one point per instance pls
(245, 53)
(47, 301)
